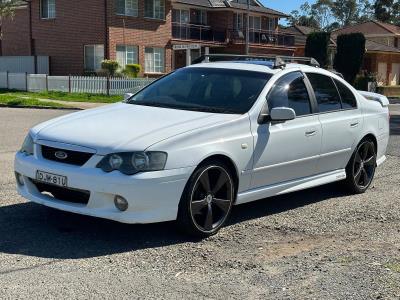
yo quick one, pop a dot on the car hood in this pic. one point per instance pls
(123, 127)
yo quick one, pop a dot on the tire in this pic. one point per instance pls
(207, 200)
(360, 170)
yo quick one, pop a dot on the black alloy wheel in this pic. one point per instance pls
(207, 202)
(364, 164)
(361, 168)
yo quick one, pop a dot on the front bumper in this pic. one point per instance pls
(152, 196)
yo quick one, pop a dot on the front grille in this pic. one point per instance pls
(61, 193)
(72, 157)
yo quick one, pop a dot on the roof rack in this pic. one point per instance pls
(279, 62)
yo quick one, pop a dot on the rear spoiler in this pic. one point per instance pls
(383, 100)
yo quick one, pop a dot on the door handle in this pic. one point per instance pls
(354, 124)
(311, 133)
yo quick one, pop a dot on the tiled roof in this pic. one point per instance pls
(369, 27)
(258, 9)
(203, 3)
(217, 3)
(301, 33)
(374, 46)
(231, 4)
(390, 27)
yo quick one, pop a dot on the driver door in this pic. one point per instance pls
(288, 150)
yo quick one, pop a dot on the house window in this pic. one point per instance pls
(154, 60)
(271, 24)
(180, 16)
(254, 23)
(127, 55)
(198, 16)
(154, 9)
(48, 9)
(94, 55)
(127, 7)
(238, 21)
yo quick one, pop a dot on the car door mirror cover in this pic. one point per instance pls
(282, 114)
(127, 96)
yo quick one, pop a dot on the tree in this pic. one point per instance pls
(317, 47)
(387, 11)
(322, 12)
(347, 12)
(7, 10)
(304, 17)
(331, 14)
(350, 55)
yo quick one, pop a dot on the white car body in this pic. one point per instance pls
(269, 159)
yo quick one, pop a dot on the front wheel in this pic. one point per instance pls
(207, 200)
(360, 170)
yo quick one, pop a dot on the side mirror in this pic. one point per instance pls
(127, 96)
(282, 114)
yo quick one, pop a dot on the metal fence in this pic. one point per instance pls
(22, 64)
(72, 84)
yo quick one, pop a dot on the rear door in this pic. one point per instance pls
(289, 150)
(340, 120)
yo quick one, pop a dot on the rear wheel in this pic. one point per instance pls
(360, 170)
(207, 200)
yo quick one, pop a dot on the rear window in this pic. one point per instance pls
(348, 99)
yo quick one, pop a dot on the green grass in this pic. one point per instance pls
(14, 100)
(62, 96)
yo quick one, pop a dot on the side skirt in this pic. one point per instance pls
(290, 186)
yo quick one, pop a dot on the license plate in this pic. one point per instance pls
(51, 178)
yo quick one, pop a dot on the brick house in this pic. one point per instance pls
(382, 56)
(160, 35)
(382, 49)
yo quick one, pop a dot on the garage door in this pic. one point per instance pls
(382, 73)
(395, 74)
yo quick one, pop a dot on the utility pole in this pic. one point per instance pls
(247, 27)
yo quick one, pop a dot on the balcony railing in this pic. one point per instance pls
(197, 32)
(209, 34)
(262, 37)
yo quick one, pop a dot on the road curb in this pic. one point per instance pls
(39, 107)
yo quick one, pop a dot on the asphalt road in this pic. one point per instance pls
(316, 244)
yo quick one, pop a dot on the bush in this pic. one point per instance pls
(361, 81)
(132, 70)
(110, 66)
(317, 47)
(350, 55)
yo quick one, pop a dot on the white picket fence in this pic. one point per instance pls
(72, 84)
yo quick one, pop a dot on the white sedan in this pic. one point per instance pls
(204, 138)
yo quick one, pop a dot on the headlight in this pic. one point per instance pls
(27, 146)
(131, 163)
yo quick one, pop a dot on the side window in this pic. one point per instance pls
(290, 91)
(325, 91)
(348, 99)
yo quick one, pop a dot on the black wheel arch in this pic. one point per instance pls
(371, 137)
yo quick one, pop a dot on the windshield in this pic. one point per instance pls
(205, 89)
